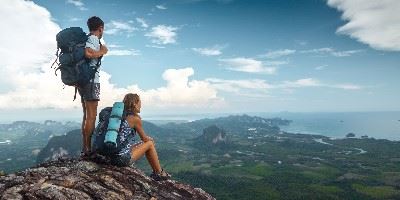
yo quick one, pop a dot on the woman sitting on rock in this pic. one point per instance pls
(133, 150)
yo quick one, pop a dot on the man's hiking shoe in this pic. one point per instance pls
(88, 155)
(163, 175)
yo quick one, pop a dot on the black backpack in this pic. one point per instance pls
(74, 66)
(100, 131)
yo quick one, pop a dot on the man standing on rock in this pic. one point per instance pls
(90, 93)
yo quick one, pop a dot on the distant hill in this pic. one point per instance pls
(213, 139)
(213, 135)
(33, 128)
(70, 143)
(61, 146)
(21, 141)
(233, 124)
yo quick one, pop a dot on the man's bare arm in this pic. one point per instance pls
(90, 53)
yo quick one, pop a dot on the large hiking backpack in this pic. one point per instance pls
(74, 66)
(108, 130)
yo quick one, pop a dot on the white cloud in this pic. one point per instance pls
(155, 46)
(42, 36)
(116, 50)
(259, 88)
(118, 27)
(306, 82)
(161, 7)
(249, 65)
(114, 46)
(310, 82)
(376, 23)
(321, 67)
(347, 86)
(178, 92)
(330, 51)
(345, 53)
(162, 34)
(123, 52)
(142, 22)
(275, 62)
(238, 86)
(211, 51)
(279, 53)
(78, 3)
(33, 83)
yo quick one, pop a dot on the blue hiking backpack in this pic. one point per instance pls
(108, 130)
(74, 66)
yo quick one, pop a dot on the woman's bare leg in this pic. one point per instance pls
(149, 149)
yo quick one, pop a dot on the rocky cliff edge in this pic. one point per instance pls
(68, 178)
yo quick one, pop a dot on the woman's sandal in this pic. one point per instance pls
(163, 175)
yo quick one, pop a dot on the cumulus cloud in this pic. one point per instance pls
(78, 3)
(118, 27)
(376, 23)
(162, 34)
(34, 85)
(178, 92)
(279, 53)
(210, 51)
(42, 44)
(249, 65)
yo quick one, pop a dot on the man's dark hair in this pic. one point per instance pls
(94, 23)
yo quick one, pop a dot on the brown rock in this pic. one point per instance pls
(73, 179)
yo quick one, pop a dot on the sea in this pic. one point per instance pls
(379, 125)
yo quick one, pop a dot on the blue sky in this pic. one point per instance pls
(240, 56)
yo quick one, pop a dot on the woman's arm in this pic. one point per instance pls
(140, 130)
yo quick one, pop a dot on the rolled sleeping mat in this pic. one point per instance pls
(114, 123)
(118, 109)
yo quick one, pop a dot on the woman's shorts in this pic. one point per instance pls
(90, 92)
(125, 158)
